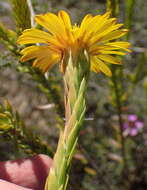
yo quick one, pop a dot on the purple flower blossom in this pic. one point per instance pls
(132, 126)
(132, 117)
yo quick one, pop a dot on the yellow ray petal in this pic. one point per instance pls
(106, 25)
(98, 65)
(82, 29)
(37, 33)
(105, 49)
(104, 68)
(65, 19)
(107, 14)
(109, 59)
(93, 65)
(97, 47)
(85, 21)
(51, 22)
(120, 44)
(102, 33)
(45, 63)
(97, 22)
(112, 52)
(36, 52)
(31, 36)
(114, 35)
(31, 48)
(34, 36)
(27, 49)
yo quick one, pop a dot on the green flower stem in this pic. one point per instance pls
(117, 90)
(118, 102)
(75, 82)
(113, 6)
(22, 14)
(129, 10)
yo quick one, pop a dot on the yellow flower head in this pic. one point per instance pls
(95, 34)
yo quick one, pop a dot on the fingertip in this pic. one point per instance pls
(30, 172)
(5, 185)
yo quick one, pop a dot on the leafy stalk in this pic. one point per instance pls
(8, 38)
(75, 82)
(129, 5)
(13, 128)
(117, 89)
(113, 6)
(22, 14)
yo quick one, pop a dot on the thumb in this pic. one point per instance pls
(30, 172)
(10, 186)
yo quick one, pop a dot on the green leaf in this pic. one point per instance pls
(5, 122)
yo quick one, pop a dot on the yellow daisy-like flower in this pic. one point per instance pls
(95, 34)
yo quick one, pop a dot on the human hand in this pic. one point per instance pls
(25, 174)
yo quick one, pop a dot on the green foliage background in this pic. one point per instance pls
(32, 106)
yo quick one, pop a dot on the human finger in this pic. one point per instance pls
(30, 172)
(10, 186)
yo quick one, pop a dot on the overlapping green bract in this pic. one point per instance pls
(75, 82)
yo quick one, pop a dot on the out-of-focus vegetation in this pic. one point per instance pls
(111, 153)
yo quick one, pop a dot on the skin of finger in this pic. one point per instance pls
(4, 185)
(30, 172)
